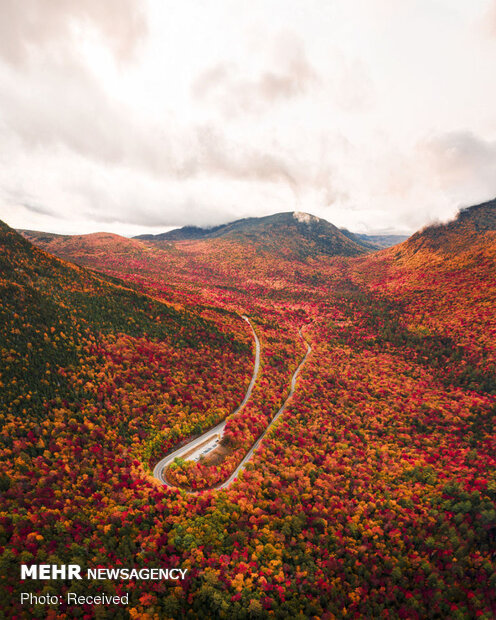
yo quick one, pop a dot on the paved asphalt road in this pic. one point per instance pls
(159, 468)
(217, 431)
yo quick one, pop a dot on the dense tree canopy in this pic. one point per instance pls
(374, 495)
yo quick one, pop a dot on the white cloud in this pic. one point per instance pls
(139, 116)
(464, 164)
(288, 74)
(30, 27)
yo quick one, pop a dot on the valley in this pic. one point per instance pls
(350, 393)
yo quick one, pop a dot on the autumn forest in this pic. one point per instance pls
(371, 494)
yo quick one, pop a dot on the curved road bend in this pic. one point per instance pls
(250, 452)
(158, 470)
(219, 429)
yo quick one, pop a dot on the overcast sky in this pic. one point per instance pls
(132, 116)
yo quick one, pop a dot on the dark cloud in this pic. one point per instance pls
(37, 208)
(23, 199)
(29, 27)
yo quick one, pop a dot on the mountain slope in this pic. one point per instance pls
(296, 235)
(53, 315)
(84, 249)
(192, 233)
(474, 226)
(186, 233)
(444, 280)
(89, 298)
(385, 453)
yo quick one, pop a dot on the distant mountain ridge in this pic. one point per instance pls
(292, 235)
(299, 233)
(193, 233)
(83, 249)
(185, 233)
(383, 241)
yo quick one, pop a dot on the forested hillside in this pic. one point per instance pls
(374, 494)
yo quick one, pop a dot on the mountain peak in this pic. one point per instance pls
(470, 222)
(305, 218)
(290, 234)
(472, 230)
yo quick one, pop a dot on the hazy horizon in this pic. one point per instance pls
(383, 232)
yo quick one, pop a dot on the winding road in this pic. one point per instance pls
(216, 431)
(250, 452)
(204, 441)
